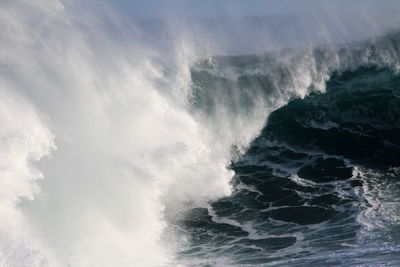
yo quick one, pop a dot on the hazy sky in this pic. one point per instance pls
(299, 22)
(204, 8)
(219, 8)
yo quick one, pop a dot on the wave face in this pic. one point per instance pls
(319, 186)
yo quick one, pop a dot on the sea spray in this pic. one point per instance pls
(122, 145)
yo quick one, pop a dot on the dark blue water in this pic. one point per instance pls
(320, 185)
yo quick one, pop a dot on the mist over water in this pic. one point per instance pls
(113, 126)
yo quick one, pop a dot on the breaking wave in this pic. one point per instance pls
(119, 152)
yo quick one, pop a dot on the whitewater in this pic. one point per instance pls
(121, 146)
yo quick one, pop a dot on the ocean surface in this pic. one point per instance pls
(319, 186)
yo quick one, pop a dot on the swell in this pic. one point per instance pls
(239, 92)
(310, 189)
